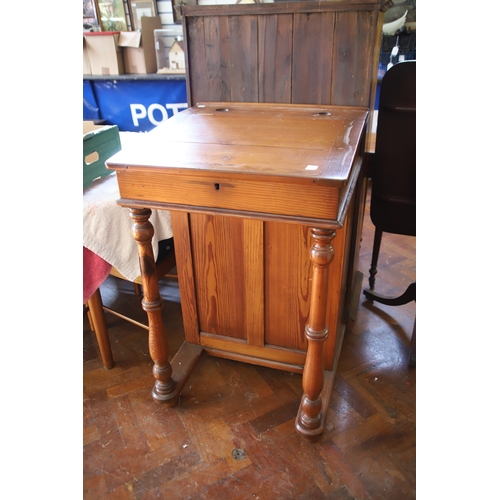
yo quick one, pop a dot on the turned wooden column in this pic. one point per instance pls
(309, 418)
(152, 303)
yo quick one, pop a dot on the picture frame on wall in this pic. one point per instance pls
(141, 8)
(112, 15)
(90, 16)
(176, 8)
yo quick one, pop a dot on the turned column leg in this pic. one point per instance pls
(309, 418)
(152, 303)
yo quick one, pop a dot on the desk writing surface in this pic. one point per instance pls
(273, 140)
(248, 157)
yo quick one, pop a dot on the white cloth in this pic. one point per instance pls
(107, 227)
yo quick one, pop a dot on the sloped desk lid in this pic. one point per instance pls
(291, 142)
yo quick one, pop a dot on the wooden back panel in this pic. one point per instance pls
(292, 52)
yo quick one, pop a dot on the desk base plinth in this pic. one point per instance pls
(183, 364)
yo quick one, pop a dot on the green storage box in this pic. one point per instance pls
(99, 144)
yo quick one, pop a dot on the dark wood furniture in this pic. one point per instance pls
(263, 197)
(392, 168)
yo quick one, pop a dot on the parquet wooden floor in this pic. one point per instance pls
(233, 435)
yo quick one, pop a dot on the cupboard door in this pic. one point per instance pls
(245, 285)
(225, 287)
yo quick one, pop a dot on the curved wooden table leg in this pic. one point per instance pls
(142, 230)
(409, 295)
(309, 421)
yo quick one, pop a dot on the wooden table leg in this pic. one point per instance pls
(309, 421)
(101, 329)
(164, 390)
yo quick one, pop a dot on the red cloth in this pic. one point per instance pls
(95, 271)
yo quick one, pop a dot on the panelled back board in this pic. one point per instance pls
(293, 52)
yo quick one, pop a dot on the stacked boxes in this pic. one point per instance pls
(116, 53)
(139, 47)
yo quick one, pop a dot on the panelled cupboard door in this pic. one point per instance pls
(300, 53)
(245, 286)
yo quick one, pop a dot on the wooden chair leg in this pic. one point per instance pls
(101, 329)
(376, 251)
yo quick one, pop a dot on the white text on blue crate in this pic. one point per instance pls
(155, 113)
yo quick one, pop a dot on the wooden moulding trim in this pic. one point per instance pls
(347, 193)
(255, 361)
(231, 347)
(279, 8)
(329, 224)
(199, 174)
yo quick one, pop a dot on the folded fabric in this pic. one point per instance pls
(107, 227)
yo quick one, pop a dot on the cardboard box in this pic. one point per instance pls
(100, 142)
(86, 61)
(105, 55)
(139, 56)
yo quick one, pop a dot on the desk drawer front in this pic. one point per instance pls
(260, 196)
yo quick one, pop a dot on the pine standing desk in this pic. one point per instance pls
(266, 205)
